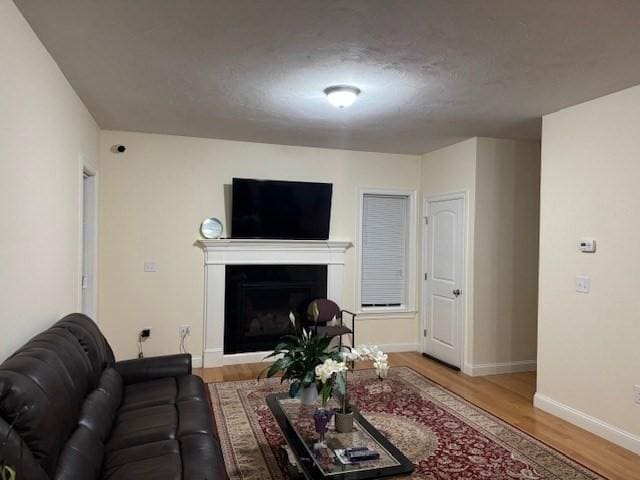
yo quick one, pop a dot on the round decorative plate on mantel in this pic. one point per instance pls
(211, 228)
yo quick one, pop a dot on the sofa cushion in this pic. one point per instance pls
(42, 388)
(88, 335)
(194, 417)
(162, 392)
(201, 458)
(191, 387)
(169, 413)
(15, 453)
(148, 394)
(144, 425)
(152, 461)
(81, 457)
(101, 406)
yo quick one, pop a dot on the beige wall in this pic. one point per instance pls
(506, 252)
(44, 128)
(453, 169)
(501, 179)
(154, 197)
(589, 344)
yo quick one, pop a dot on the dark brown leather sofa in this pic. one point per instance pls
(69, 411)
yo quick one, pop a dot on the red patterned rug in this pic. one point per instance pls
(445, 436)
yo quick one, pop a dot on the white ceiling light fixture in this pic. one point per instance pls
(341, 96)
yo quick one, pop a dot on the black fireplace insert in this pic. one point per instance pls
(258, 299)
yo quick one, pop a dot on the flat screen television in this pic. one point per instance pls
(277, 209)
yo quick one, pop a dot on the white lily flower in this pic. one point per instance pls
(382, 369)
(326, 370)
(372, 352)
(292, 318)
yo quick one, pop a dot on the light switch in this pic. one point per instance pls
(150, 267)
(583, 284)
(587, 245)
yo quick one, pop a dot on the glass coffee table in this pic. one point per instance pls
(296, 422)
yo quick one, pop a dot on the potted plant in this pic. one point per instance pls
(299, 355)
(328, 374)
(344, 415)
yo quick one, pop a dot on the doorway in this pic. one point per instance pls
(444, 277)
(89, 244)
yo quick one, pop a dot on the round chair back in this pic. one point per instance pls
(327, 310)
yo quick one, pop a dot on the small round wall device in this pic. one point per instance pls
(211, 228)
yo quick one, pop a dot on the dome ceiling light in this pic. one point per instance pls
(341, 96)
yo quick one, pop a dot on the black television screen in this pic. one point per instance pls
(280, 210)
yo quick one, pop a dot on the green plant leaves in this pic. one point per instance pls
(326, 393)
(309, 378)
(299, 356)
(7, 473)
(294, 388)
(341, 384)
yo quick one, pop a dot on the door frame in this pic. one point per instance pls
(456, 195)
(86, 169)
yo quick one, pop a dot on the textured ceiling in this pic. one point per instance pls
(431, 72)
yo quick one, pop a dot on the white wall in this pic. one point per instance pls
(501, 178)
(589, 344)
(506, 254)
(154, 197)
(44, 128)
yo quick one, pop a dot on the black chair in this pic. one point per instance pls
(327, 310)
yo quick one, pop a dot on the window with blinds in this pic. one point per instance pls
(384, 262)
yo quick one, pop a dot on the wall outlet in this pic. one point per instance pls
(150, 267)
(636, 394)
(145, 333)
(583, 284)
(184, 331)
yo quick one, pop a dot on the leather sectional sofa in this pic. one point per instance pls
(69, 411)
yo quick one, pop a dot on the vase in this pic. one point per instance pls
(309, 395)
(344, 422)
(321, 419)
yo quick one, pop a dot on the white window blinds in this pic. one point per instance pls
(384, 250)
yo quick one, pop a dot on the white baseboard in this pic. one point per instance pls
(196, 362)
(594, 425)
(254, 357)
(250, 357)
(482, 369)
(215, 357)
(212, 357)
(399, 347)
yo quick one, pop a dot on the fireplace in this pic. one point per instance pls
(258, 299)
(299, 270)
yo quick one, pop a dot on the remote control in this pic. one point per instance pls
(355, 449)
(363, 456)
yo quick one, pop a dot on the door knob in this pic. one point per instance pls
(457, 292)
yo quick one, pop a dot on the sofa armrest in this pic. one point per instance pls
(151, 368)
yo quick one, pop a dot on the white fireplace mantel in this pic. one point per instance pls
(221, 252)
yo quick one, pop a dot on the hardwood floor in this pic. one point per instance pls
(508, 396)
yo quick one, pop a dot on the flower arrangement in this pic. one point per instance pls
(365, 352)
(332, 373)
(299, 355)
(327, 374)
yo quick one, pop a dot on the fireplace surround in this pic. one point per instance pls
(224, 255)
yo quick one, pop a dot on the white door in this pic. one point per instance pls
(444, 280)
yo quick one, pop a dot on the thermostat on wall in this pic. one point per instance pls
(587, 245)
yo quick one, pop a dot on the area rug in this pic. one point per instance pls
(446, 437)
